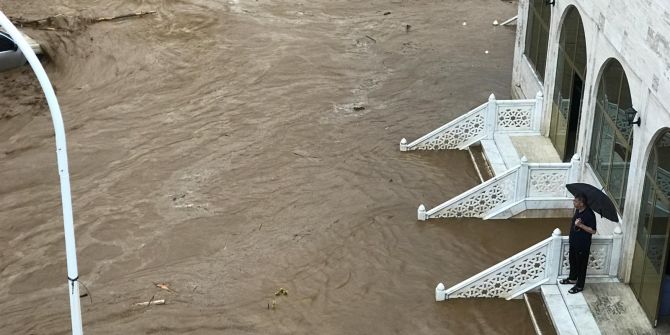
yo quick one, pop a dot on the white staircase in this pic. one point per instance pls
(542, 263)
(520, 117)
(525, 186)
(539, 268)
(518, 185)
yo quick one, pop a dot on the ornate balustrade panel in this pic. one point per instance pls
(479, 200)
(515, 115)
(599, 259)
(461, 132)
(508, 276)
(548, 182)
(480, 123)
(543, 262)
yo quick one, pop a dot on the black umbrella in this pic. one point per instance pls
(597, 200)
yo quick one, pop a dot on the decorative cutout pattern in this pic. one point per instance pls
(514, 117)
(456, 134)
(481, 201)
(598, 259)
(547, 182)
(663, 180)
(530, 267)
(620, 119)
(507, 279)
(655, 250)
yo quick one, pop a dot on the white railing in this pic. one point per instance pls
(508, 116)
(479, 200)
(536, 181)
(542, 263)
(460, 133)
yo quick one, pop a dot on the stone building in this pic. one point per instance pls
(604, 67)
(591, 82)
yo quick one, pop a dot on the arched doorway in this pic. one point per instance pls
(537, 35)
(650, 269)
(569, 85)
(612, 137)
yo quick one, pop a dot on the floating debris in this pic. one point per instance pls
(151, 302)
(281, 291)
(165, 286)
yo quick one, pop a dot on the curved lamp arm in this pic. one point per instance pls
(61, 154)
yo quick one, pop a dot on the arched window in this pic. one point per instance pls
(569, 85)
(537, 35)
(612, 137)
(650, 264)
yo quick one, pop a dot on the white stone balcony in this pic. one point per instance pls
(529, 178)
(538, 269)
(542, 263)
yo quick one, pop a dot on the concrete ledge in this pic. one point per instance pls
(493, 157)
(507, 150)
(569, 312)
(579, 311)
(534, 208)
(558, 310)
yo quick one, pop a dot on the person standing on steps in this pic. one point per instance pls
(582, 228)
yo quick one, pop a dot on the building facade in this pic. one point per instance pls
(604, 70)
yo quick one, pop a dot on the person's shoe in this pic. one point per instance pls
(575, 289)
(566, 281)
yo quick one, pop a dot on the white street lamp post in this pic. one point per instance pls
(61, 154)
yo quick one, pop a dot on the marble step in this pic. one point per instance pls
(569, 313)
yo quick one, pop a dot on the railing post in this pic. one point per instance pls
(554, 257)
(521, 191)
(403, 144)
(616, 251)
(421, 213)
(490, 119)
(575, 169)
(440, 292)
(537, 112)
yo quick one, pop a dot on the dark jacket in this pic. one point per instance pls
(580, 239)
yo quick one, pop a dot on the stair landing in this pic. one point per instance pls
(616, 310)
(505, 151)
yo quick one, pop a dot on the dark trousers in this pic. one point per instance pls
(579, 261)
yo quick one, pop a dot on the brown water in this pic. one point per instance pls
(215, 146)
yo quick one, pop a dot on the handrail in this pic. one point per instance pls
(413, 145)
(549, 165)
(536, 247)
(534, 181)
(538, 264)
(516, 102)
(422, 214)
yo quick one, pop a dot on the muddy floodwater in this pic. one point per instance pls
(232, 148)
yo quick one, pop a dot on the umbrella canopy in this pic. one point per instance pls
(597, 200)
